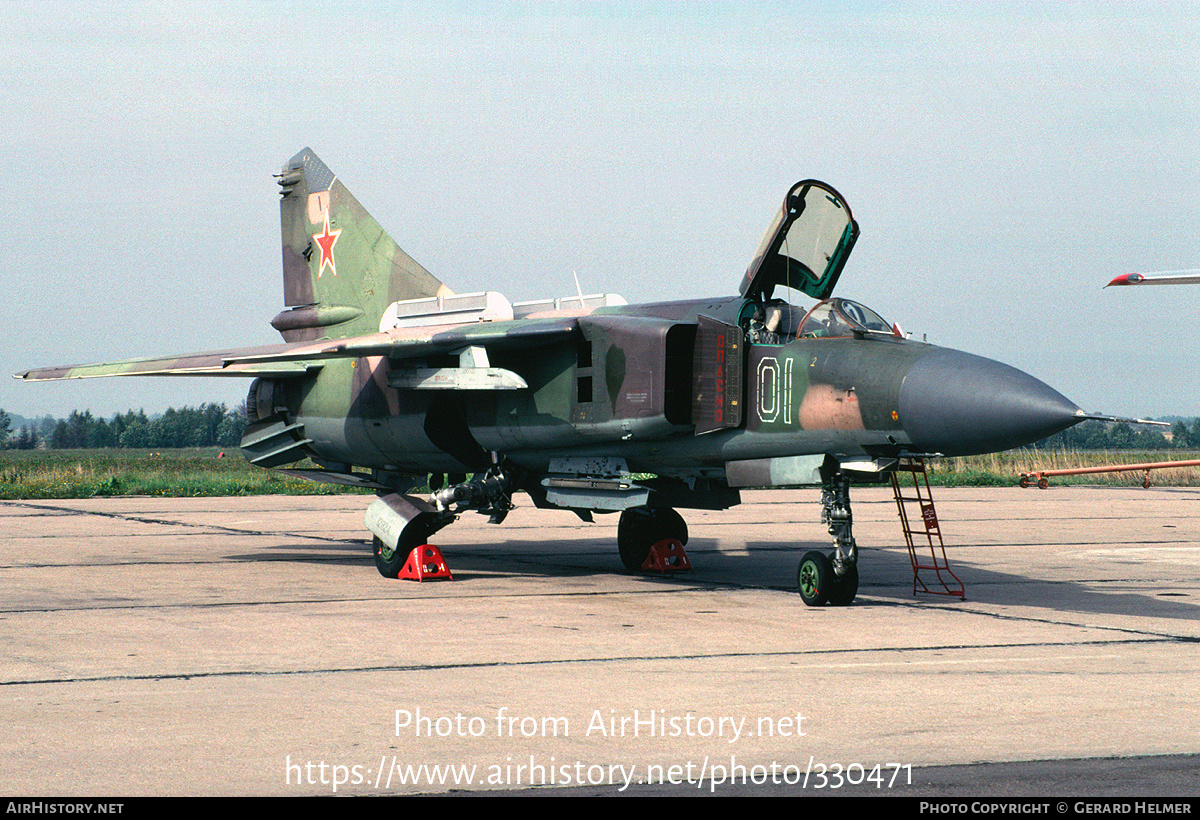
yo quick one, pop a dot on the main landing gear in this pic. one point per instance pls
(833, 578)
(822, 578)
(640, 528)
(401, 523)
(389, 560)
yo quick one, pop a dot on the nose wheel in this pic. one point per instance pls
(814, 578)
(819, 584)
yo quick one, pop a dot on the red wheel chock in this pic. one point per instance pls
(425, 563)
(667, 555)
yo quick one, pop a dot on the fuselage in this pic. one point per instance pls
(628, 385)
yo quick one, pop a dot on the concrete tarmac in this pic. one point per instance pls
(247, 646)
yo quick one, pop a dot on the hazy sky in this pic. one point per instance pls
(1004, 161)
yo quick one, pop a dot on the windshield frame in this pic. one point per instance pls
(842, 318)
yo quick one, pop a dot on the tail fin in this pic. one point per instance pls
(340, 268)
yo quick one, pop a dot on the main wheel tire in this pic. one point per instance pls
(844, 587)
(389, 562)
(814, 578)
(416, 532)
(640, 529)
(668, 523)
(634, 538)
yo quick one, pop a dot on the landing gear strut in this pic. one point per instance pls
(640, 528)
(832, 578)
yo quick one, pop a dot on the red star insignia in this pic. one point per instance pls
(326, 241)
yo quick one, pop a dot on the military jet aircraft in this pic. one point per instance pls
(386, 378)
(1167, 277)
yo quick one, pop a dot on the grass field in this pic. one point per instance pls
(1003, 469)
(204, 472)
(187, 472)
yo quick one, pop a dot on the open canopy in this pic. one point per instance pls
(806, 246)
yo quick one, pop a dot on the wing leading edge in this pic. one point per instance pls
(213, 363)
(299, 358)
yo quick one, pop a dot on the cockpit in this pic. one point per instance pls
(841, 317)
(778, 322)
(803, 253)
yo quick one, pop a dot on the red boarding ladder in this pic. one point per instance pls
(926, 527)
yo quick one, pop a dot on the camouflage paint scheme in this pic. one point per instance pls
(570, 403)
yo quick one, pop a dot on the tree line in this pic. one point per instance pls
(1100, 435)
(209, 425)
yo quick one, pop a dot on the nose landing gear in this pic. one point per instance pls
(832, 579)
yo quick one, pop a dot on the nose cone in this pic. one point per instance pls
(959, 404)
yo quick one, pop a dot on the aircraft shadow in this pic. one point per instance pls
(886, 573)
